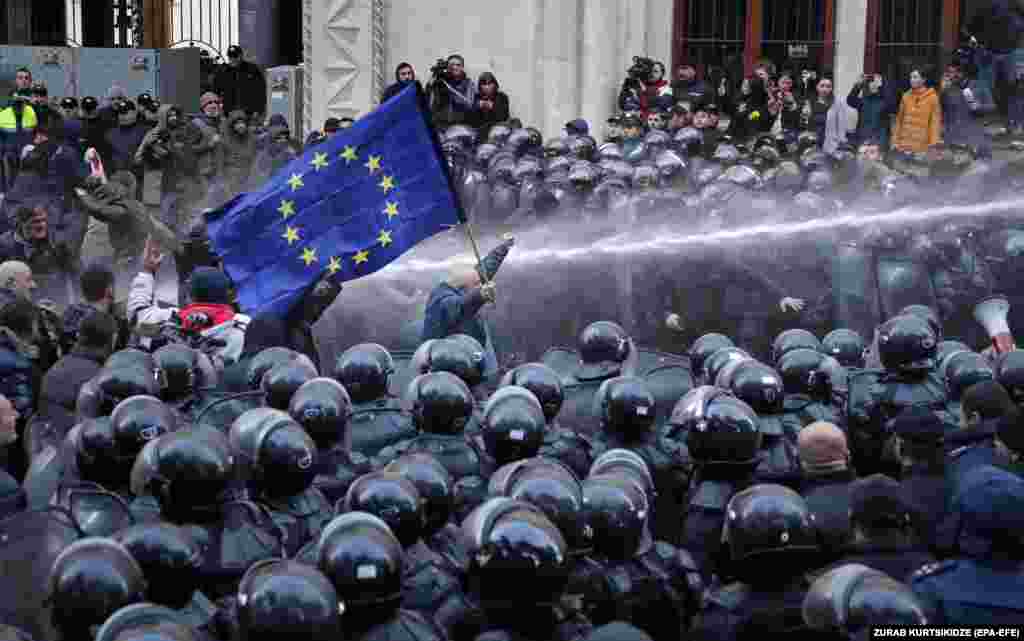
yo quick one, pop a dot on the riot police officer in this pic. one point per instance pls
(920, 444)
(812, 382)
(278, 461)
(282, 381)
(323, 408)
(126, 373)
(850, 599)
(702, 349)
(770, 537)
(286, 599)
(184, 375)
(760, 387)
(513, 425)
(377, 420)
(846, 346)
(605, 351)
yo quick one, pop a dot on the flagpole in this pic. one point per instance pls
(476, 250)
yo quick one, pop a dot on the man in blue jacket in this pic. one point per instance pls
(453, 306)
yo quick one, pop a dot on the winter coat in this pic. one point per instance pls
(19, 374)
(58, 391)
(960, 126)
(16, 128)
(269, 161)
(484, 120)
(128, 222)
(124, 142)
(874, 113)
(238, 154)
(168, 157)
(919, 121)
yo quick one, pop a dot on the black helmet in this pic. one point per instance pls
(947, 349)
(109, 387)
(513, 424)
(138, 420)
(1010, 374)
(190, 468)
(803, 373)
(434, 483)
(551, 486)
(623, 462)
(718, 361)
(625, 407)
(281, 599)
(130, 357)
(720, 428)
(363, 559)
(96, 453)
(556, 147)
(90, 580)
(512, 544)
(266, 360)
(441, 403)
(274, 450)
(726, 374)
(450, 355)
(364, 371)
(763, 521)
(177, 368)
(170, 560)
(89, 103)
(907, 344)
(583, 147)
(323, 408)
(616, 509)
(603, 348)
(147, 622)
(69, 102)
(499, 134)
(704, 347)
(393, 499)
(280, 383)
(964, 369)
(793, 339)
(926, 313)
(759, 386)
(543, 382)
(844, 345)
(851, 598)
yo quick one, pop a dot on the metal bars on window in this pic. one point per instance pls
(208, 24)
(909, 35)
(715, 31)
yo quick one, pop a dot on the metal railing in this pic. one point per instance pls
(909, 35)
(211, 25)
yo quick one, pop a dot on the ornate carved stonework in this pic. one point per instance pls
(379, 50)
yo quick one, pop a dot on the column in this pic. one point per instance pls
(558, 65)
(338, 53)
(851, 29)
(600, 75)
(258, 30)
(156, 22)
(659, 32)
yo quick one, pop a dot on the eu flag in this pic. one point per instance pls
(347, 207)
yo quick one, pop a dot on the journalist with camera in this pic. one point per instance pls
(645, 87)
(452, 93)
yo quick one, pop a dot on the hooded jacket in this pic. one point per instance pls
(919, 121)
(238, 153)
(124, 141)
(127, 220)
(169, 156)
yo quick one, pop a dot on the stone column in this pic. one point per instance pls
(659, 32)
(600, 73)
(558, 69)
(339, 59)
(258, 30)
(851, 31)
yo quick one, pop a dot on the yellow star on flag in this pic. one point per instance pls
(349, 155)
(387, 184)
(361, 257)
(308, 256)
(291, 234)
(287, 208)
(374, 164)
(295, 181)
(319, 161)
(334, 266)
(391, 210)
(385, 238)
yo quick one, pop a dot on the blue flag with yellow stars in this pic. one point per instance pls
(345, 208)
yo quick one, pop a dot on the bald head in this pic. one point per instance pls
(17, 276)
(823, 448)
(464, 278)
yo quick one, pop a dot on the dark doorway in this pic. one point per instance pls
(712, 36)
(794, 34)
(290, 33)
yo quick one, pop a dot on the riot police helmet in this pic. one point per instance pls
(178, 371)
(928, 314)
(542, 381)
(280, 383)
(657, 141)
(625, 407)
(170, 559)
(1010, 374)
(582, 147)
(484, 153)
(69, 102)
(718, 361)
(461, 134)
(846, 346)
(604, 347)
(323, 408)
(264, 361)
(363, 560)
(282, 599)
(964, 369)
(277, 454)
(513, 424)
(759, 386)
(725, 375)
(803, 372)
(769, 528)
(793, 339)
(440, 402)
(671, 165)
(498, 135)
(434, 483)
(449, 355)
(850, 598)
(130, 357)
(556, 147)
(512, 544)
(364, 370)
(190, 469)
(551, 486)
(147, 622)
(393, 499)
(627, 463)
(720, 428)
(705, 346)
(96, 453)
(907, 344)
(138, 420)
(616, 509)
(111, 386)
(90, 580)
(688, 140)
(947, 349)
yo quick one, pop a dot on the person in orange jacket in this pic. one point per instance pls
(919, 121)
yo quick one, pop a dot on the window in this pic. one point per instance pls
(208, 24)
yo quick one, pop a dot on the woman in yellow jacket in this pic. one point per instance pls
(919, 122)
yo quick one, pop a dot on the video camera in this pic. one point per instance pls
(642, 68)
(440, 67)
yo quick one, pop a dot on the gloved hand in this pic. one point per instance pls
(673, 321)
(791, 304)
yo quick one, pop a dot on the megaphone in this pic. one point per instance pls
(992, 312)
